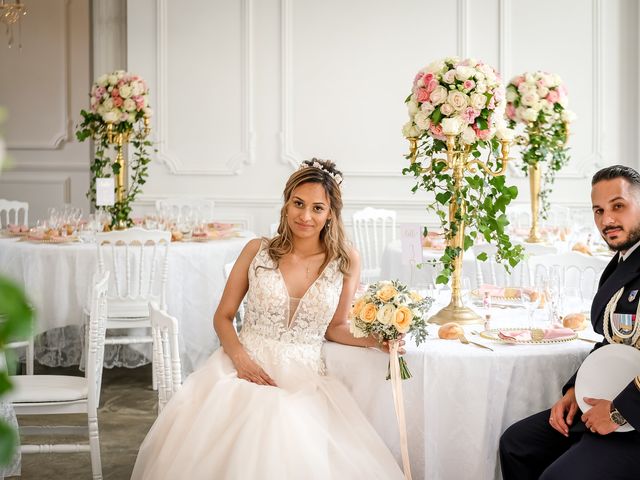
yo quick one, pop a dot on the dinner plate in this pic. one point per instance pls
(492, 334)
(605, 373)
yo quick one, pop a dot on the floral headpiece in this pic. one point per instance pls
(336, 176)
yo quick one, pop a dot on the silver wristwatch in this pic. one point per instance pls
(615, 416)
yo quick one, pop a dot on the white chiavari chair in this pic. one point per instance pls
(167, 362)
(185, 207)
(10, 211)
(65, 394)
(373, 229)
(489, 271)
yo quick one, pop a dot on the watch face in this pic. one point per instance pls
(617, 418)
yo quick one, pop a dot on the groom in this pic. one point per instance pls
(563, 443)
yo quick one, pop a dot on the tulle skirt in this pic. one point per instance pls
(220, 427)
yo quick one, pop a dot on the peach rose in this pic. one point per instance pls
(357, 307)
(402, 319)
(386, 293)
(368, 313)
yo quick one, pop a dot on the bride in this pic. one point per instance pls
(262, 406)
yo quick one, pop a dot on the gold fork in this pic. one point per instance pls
(464, 340)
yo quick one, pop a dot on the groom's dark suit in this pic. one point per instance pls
(532, 449)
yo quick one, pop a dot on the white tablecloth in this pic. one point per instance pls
(461, 397)
(56, 278)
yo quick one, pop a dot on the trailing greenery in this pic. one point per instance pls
(485, 198)
(103, 166)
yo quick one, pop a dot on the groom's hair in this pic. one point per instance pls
(617, 171)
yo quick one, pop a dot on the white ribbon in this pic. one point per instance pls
(398, 402)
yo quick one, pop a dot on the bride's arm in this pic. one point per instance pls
(234, 291)
(338, 329)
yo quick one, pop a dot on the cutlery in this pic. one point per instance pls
(587, 340)
(464, 340)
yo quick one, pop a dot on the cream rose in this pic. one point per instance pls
(438, 95)
(481, 87)
(478, 101)
(457, 100)
(427, 108)
(125, 91)
(409, 130)
(422, 121)
(112, 79)
(511, 94)
(530, 99)
(386, 292)
(402, 319)
(451, 126)
(530, 115)
(435, 67)
(129, 105)
(449, 77)
(446, 109)
(468, 136)
(356, 331)
(111, 116)
(102, 80)
(386, 313)
(412, 106)
(368, 313)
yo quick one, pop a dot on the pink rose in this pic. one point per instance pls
(492, 103)
(518, 80)
(423, 95)
(511, 111)
(468, 84)
(139, 102)
(418, 76)
(428, 77)
(553, 96)
(436, 132)
(431, 85)
(541, 82)
(115, 93)
(117, 102)
(469, 115)
(482, 134)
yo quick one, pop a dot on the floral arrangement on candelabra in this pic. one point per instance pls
(539, 100)
(456, 108)
(119, 115)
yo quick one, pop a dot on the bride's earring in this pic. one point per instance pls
(328, 224)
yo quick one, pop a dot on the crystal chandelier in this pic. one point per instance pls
(10, 14)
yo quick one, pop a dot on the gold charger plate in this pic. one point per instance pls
(492, 334)
(51, 240)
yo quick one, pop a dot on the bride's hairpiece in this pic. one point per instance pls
(315, 164)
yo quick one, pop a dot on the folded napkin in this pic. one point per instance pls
(12, 228)
(525, 335)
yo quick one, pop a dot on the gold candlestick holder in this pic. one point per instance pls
(458, 161)
(119, 139)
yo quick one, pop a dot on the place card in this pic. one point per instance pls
(411, 243)
(105, 192)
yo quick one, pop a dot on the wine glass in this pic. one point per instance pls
(530, 298)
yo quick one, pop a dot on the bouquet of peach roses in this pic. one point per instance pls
(387, 310)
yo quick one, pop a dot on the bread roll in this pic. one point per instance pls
(582, 248)
(450, 331)
(176, 235)
(575, 321)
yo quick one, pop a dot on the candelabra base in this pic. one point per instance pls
(534, 237)
(458, 314)
(120, 225)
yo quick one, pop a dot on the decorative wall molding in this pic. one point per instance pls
(48, 166)
(65, 134)
(63, 180)
(245, 155)
(584, 166)
(462, 10)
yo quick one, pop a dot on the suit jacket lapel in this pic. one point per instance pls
(613, 278)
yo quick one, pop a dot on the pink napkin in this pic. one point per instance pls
(525, 335)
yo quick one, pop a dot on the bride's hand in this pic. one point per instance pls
(384, 345)
(252, 372)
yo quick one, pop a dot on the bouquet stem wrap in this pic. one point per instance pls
(398, 401)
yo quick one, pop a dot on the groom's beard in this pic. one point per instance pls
(634, 237)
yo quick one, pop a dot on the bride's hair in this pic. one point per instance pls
(332, 235)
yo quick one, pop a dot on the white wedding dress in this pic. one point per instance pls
(308, 427)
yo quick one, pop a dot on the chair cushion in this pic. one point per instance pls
(47, 388)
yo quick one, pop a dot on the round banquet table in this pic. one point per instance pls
(461, 397)
(56, 278)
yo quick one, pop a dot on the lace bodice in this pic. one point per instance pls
(266, 329)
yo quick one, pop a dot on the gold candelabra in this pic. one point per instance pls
(458, 162)
(119, 139)
(10, 13)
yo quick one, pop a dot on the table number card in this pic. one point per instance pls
(105, 195)
(411, 244)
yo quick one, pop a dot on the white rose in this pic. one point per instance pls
(422, 121)
(113, 79)
(554, 80)
(542, 91)
(137, 88)
(464, 73)
(102, 80)
(451, 126)
(530, 99)
(446, 109)
(147, 112)
(481, 87)
(438, 95)
(525, 88)
(131, 118)
(125, 91)
(386, 313)
(468, 136)
(412, 106)
(478, 101)
(435, 67)
(479, 76)
(511, 94)
(408, 130)
(111, 116)
(530, 115)
(449, 77)
(427, 108)
(356, 331)
(108, 104)
(546, 106)
(457, 100)
(568, 116)
(129, 105)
